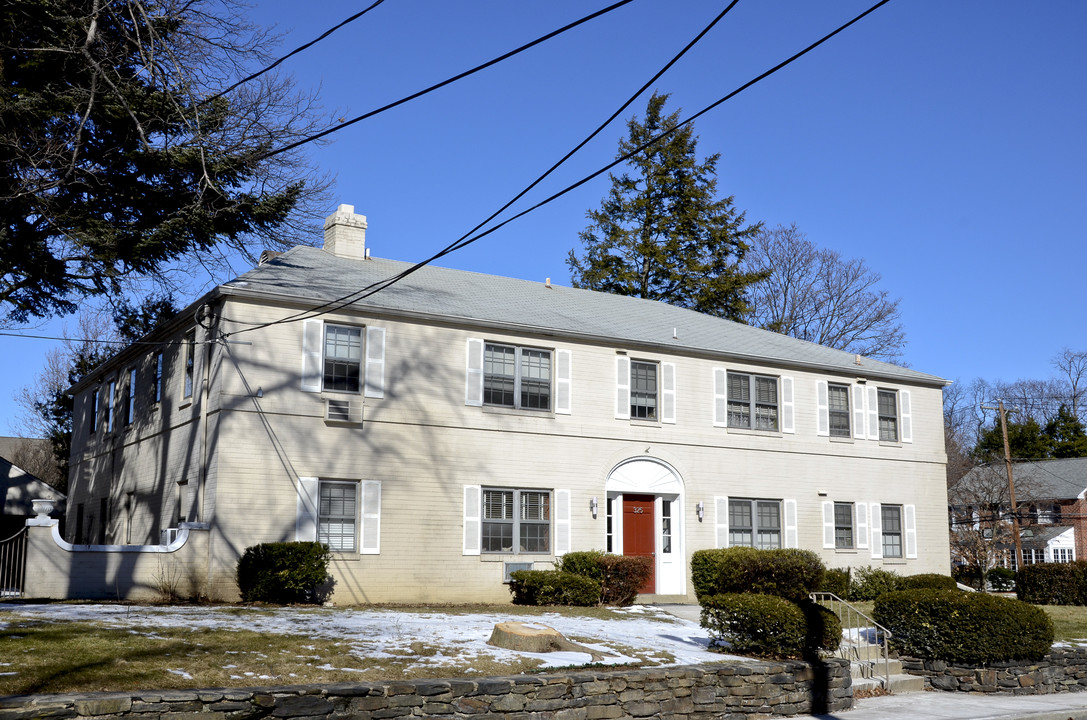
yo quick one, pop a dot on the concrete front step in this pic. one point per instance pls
(899, 684)
(874, 668)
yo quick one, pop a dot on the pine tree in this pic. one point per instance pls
(661, 233)
(1067, 435)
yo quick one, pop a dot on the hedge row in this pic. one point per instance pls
(964, 627)
(770, 626)
(868, 583)
(583, 578)
(1053, 583)
(789, 574)
(284, 572)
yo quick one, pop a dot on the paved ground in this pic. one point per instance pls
(946, 705)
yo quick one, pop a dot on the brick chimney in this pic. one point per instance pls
(345, 233)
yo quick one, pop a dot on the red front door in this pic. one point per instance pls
(638, 533)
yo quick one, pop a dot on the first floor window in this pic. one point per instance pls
(643, 390)
(838, 410)
(888, 415)
(752, 401)
(343, 358)
(516, 377)
(892, 530)
(516, 521)
(337, 516)
(843, 525)
(754, 523)
(1062, 555)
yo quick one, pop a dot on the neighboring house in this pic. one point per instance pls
(1052, 509)
(454, 426)
(18, 488)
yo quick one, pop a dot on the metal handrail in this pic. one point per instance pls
(849, 621)
(13, 565)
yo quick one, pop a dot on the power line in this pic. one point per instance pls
(378, 286)
(443, 83)
(294, 52)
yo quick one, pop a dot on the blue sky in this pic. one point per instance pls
(941, 141)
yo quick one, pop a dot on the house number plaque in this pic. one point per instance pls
(639, 511)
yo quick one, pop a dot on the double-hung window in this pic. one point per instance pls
(516, 521)
(891, 517)
(110, 399)
(843, 525)
(752, 401)
(754, 523)
(516, 377)
(343, 358)
(337, 515)
(838, 409)
(888, 415)
(643, 390)
(189, 344)
(92, 419)
(157, 367)
(130, 398)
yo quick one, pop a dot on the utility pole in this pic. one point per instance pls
(1011, 483)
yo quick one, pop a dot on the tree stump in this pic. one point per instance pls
(530, 637)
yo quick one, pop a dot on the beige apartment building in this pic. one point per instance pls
(453, 426)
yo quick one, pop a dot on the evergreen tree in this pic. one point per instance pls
(1026, 441)
(117, 157)
(1067, 435)
(661, 233)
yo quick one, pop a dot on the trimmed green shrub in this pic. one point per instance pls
(837, 581)
(1001, 579)
(869, 583)
(1053, 583)
(790, 574)
(622, 576)
(284, 572)
(553, 587)
(585, 563)
(769, 626)
(963, 627)
(928, 580)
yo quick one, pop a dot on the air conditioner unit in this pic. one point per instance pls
(514, 566)
(343, 411)
(168, 535)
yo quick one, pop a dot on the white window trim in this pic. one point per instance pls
(668, 393)
(720, 508)
(371, 364)
(876, 528)
(720, 398)
(473, 520)
(622, 387)
(564, 385)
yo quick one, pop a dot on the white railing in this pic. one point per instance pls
(13, 566)
(859, 628)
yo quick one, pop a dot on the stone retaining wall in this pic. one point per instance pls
(1062, 670)
(697, 692)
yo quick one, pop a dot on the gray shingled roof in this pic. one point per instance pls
(1049, 479)
(308, 275)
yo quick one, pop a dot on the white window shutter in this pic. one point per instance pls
(622, 388)
(877, 531)
(910, 511)
(375, 362)
(828, 524)
(788, 410)
(873, 414)
(792, 536)
(305, 523)
(720, 398)
(563, 381)
(473, 374)
(822, 423)
(862, 525)
(906, 414)
(859, 414)
(313, 337)
(720, 511)
(370, 535)
(473, 519)
(668, 392)
(562, 522)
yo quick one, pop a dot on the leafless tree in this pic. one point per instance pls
(1073, 365)
(816, 294)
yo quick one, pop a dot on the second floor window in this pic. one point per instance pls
(643, 390)
(516, 377)
(130, 400)
(157, 388)
(190, 362)
(752, 401)
(110, 398)
(838, 410)
(888, 415)
(343, 358)
(92, 420)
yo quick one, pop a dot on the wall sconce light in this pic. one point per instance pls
(260, 392)
(594, 506)
(700, 510)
